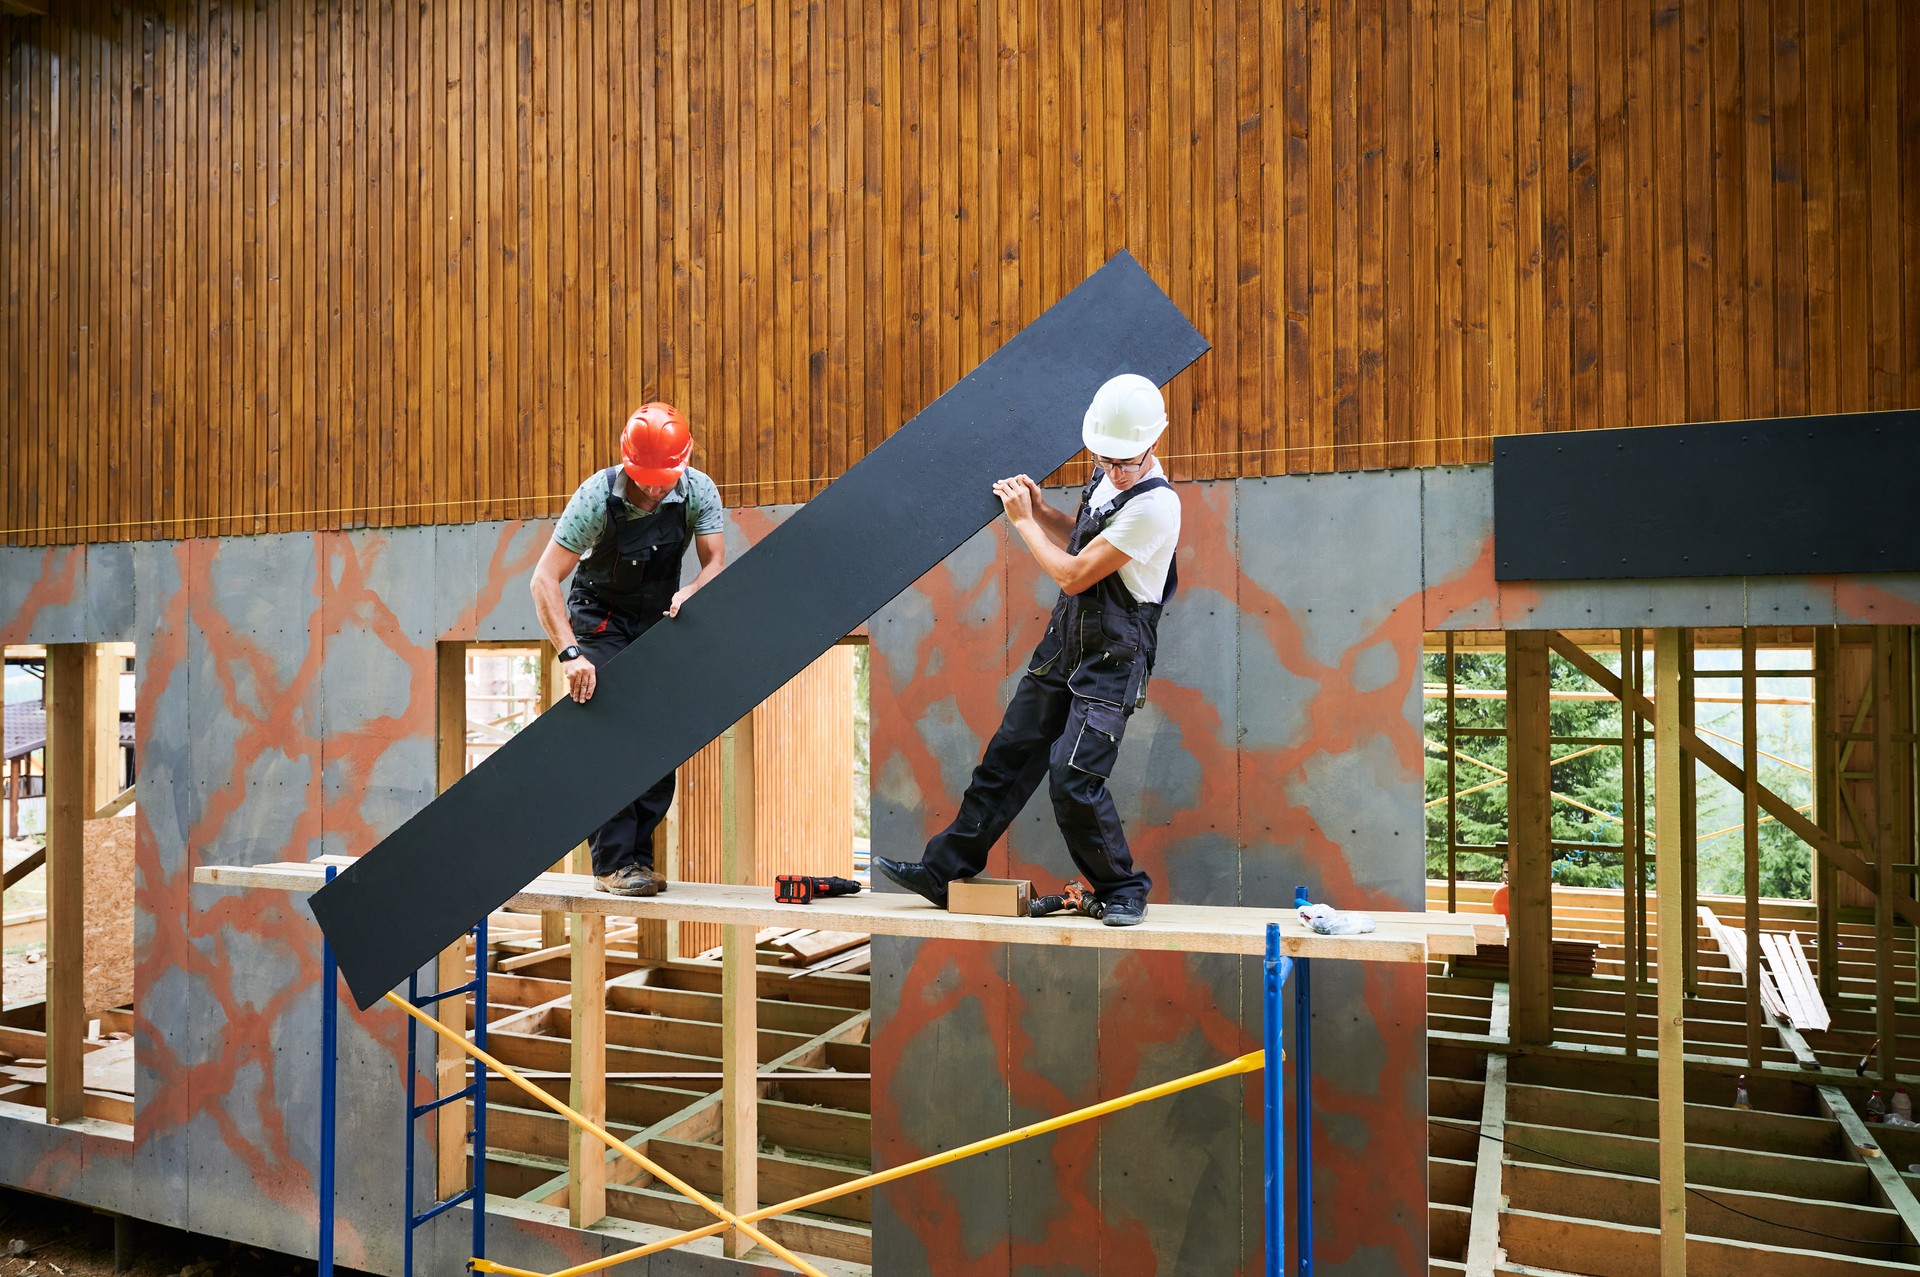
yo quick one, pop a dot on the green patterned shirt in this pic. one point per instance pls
(585, 517)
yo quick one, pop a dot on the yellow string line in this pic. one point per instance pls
(1462, 793)
(182, 520)
(728, 1219)
(1784, 762)
(1249, 1063)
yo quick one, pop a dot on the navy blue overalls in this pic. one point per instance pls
(621, 588)
(1065, 721)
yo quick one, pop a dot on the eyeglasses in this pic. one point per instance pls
(1114, 467)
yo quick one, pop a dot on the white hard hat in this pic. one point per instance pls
(1126, 417)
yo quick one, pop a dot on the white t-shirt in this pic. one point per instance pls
(1147, 530)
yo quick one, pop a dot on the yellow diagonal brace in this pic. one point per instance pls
(1248, 1063)
(728, 1219)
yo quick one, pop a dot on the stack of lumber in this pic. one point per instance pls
(1570, 957)
(810, 951)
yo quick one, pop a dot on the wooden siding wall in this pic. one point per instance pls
(271, 266)
(803, 768)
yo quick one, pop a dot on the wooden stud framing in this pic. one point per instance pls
(1668, 795)
(70, 693)
(1689, 806)
(1750, 822)
(450, 1063)
(739, 991)
(1453, 785)
(104, 766)
(1633, 895)
(1529, 836)
(11, 777)
(1483, 1237)
(1773, 804)
(1826, 882)
(1886, 834)
(587, 1010)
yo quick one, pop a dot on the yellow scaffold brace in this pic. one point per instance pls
(1249, 1063)
(727, 1218)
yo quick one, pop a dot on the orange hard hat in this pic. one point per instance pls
(655, 445)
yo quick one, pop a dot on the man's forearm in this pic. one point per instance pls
(1058, 525)
(1047, 552)
(550, 605)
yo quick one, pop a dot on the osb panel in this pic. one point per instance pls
(109, 913)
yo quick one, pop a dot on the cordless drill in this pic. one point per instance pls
(1072, 898)
(800, 889)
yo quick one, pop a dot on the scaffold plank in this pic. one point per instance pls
(1398, 937)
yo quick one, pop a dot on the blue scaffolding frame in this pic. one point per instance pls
(476, 1189)
(1278, 970)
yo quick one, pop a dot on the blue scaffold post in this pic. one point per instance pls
(475, 1091)
(1277, 969)
(329, 1040)
(1303, 1110)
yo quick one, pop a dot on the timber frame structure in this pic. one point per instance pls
(1553, 1096)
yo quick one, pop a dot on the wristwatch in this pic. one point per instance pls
(571, 652)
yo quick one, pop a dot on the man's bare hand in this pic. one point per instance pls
(680, 597)
(580, 678)
(1017, 495)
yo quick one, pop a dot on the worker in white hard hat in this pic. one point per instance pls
(1114, 564)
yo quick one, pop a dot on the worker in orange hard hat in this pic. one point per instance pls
(623, 537)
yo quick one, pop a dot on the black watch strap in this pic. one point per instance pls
(571, 652)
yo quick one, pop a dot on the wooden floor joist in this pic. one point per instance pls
(1489, 1184)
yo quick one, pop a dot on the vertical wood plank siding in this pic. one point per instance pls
(803, 743)
(278, 266)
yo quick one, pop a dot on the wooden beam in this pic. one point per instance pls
(1529, 837)
(1689, 812)
(34, 860)
(1551, 1245)
(1489, 1184)
(1750, 829)
(450, 1063)
(1633, 895)
(1892, 1190)
(1825, 810)
(1886, 836)
(119, 803)
(586, 1156)
(1780, 809)
(1667, 796)
(1397, 937)
(739, 990)
(70, 691)
(105, 767)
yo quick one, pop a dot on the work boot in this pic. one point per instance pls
(915, 877)
(631, 880)
(1124, 913)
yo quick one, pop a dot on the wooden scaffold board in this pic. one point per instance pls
(1398, 937)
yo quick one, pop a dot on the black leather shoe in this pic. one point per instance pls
(1124, 913)
(915, 877)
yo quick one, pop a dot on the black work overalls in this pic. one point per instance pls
(621, 588)
(1065, 722)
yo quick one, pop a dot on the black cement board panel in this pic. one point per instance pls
(1785, 495)
(839, 559)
